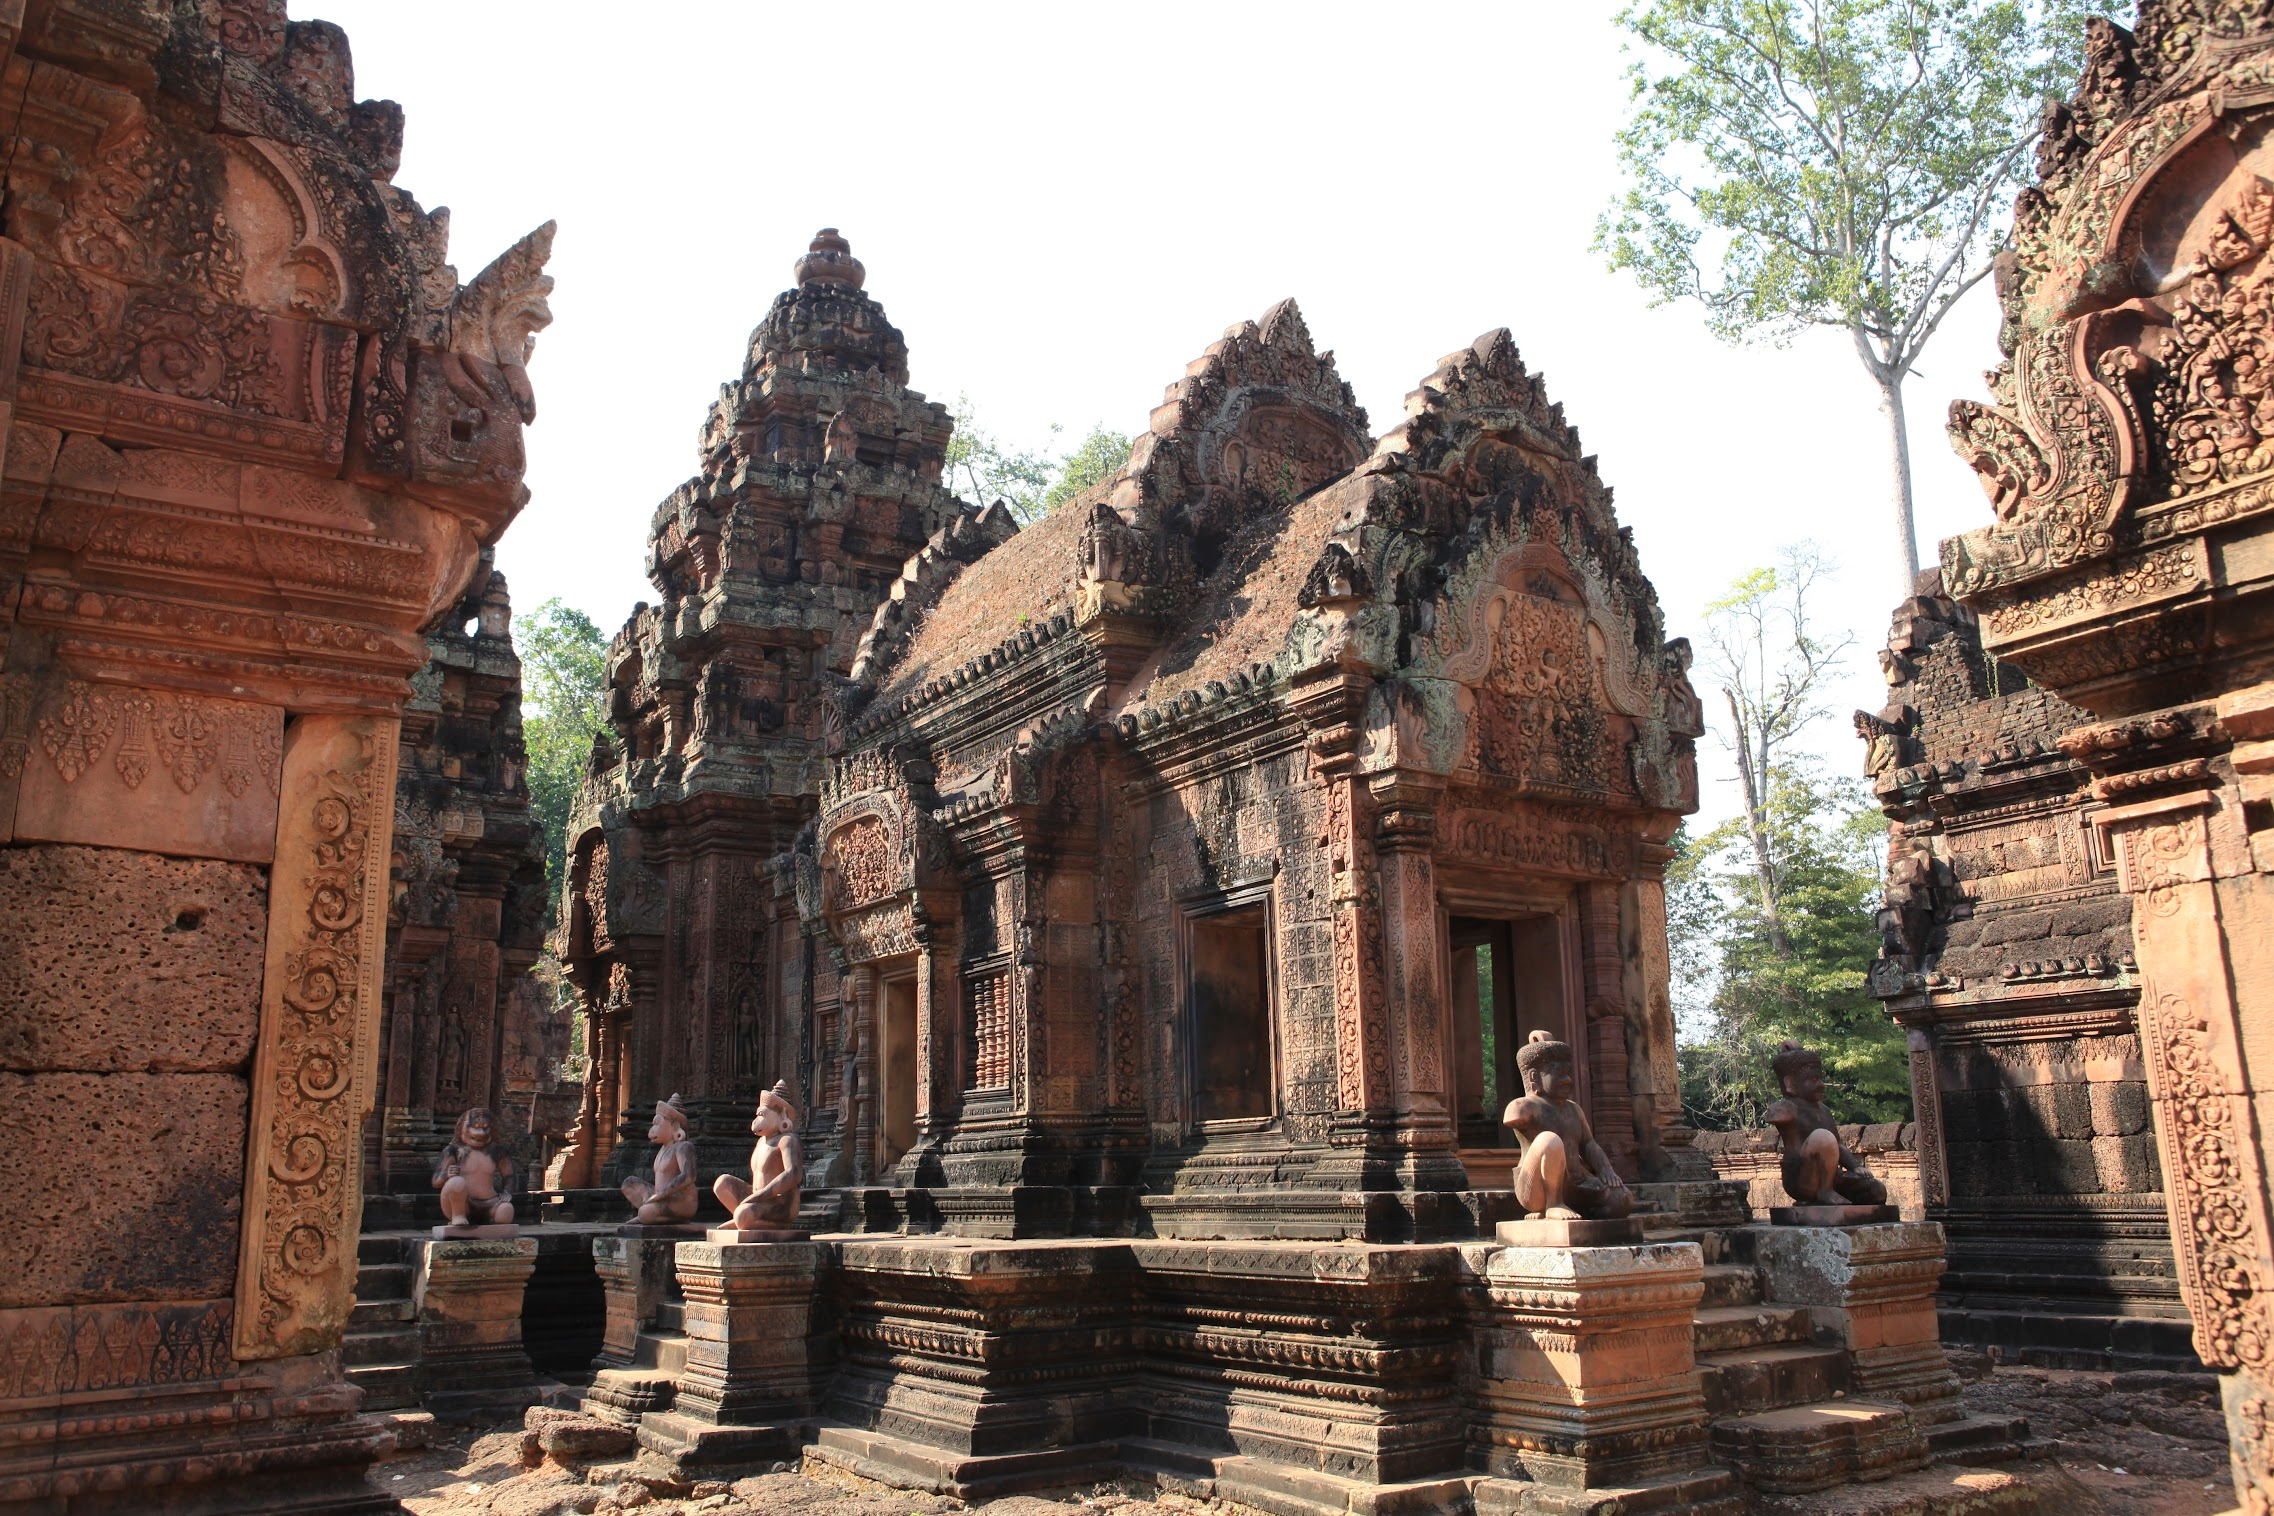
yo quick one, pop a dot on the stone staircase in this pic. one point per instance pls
(650, 1381)
(381, 1350)
(1781, 1412)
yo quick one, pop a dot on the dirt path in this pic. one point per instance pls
(2123, 1445)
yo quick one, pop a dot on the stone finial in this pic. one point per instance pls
(830, 260)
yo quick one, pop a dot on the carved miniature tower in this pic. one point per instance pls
(820, 479)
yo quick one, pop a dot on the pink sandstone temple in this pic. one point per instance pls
(1124, 937)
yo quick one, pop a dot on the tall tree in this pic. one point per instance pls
(1770, 662)
(1744, 990)
(1778, 903)
(564, 692)
(1835, 163)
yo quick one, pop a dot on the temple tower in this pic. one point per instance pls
(820, 478)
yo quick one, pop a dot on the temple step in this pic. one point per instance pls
(383, 1281)
(390, 1345)
(372, 1313)
(1984, 1439)
(1731, 1284)
(385, 1386)
(671, 1316)
(1730, 1328)
(1814, 1447)
(1770, 1379)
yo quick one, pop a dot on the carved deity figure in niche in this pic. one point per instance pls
(672, 1197)
(475, 1183)
(1564, 1174)
(1819, 1169)
(769, 1201)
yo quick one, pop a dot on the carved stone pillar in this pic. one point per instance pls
(2202, 903)
(318, 1050)
(1609, 1097)
(1415, 1004)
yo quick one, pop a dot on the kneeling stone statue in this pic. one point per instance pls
(765, 1208)
(1564, 1174)
(1821, 1173)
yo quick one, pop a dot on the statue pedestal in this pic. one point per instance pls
(1587, 1387)
(1540, 1232)
(636, 1281)
(467, 1292)
(1832, 1215)
(746, 1393)
(1869, 1289)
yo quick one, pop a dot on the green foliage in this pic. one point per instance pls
(1828, 844)
(563, 702)
(1096, 459)
(982, 469)
(1772, 916)
(1846, 163)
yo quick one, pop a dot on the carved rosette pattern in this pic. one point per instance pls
(313, 1071)
(2188, 1034)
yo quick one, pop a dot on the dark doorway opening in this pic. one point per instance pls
(1229, 999)
(1507, 983)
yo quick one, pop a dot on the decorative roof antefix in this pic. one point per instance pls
(2133, 404)
(1177, 464)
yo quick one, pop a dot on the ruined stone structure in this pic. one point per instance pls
(1170, 835)
(2130, 573)
(820, 479)
(256, 436)
(461, 1025)
(2008, 958)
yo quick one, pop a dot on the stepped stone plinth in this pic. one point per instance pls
(1870, 1290)
(467, 1296)
(746, 1392)
(1586, 1382)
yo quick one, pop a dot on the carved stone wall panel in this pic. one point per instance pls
(2192, 1038)
(160, 771)
(314, 1071)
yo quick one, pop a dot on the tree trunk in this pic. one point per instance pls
(1757, 827)
(1899, 445)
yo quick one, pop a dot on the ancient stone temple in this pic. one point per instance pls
(256, 438)
(1224, 834)
(2008, 958)
(820, 478)
(461, 1024)
(1193, 879)
(2129, 572)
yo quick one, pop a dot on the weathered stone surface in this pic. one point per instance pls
(463, 1026)
(2009, 956)
(256, 435)
(126, 1186)
(2130, 572)
(174, 988)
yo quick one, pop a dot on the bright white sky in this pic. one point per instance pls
(1062, 204)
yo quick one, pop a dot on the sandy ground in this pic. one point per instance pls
(2122, 1445)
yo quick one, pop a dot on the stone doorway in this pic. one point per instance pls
(1507, 981)
(896, 1071)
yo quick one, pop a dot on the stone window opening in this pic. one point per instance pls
(1232, 1065)
(1507, 981)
